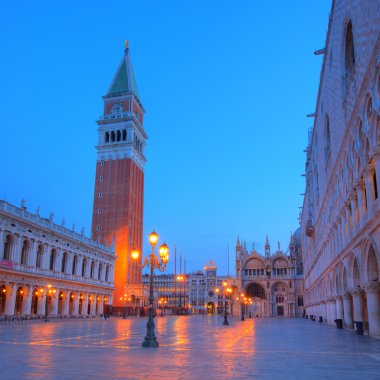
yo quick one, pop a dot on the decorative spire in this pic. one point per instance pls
(124, 80)
(267, 246)
(266, 241)
(238, 241)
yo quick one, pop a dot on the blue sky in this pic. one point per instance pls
(226, 86)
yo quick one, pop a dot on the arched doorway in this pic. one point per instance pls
(34, 306)
(19, 301)
(71, 303)
(90, 300)
(280, 306)
(80, 304)
(61, 303)
(3, 298)
(259, 305)
(211, 308)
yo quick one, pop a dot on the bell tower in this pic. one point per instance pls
(119, 183)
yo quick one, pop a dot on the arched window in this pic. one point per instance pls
(40, 250)
(64, 261)
(24, 252)
(124, 134)
(92, 269)
(107, 137)
(327, 139)
(74, 267)
(112, 136)
(118, 136)
(349, 51)
(107, 272)
(52, 259)
(100, 271)
(7, 248)
(84, 263)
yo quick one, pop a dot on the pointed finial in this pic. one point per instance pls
(126, 44)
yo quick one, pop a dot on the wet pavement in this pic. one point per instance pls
(191, 347)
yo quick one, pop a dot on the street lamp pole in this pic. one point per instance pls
(225, 291)
(242, 306)
(152, 261)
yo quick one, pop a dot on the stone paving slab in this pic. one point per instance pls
(191, 347)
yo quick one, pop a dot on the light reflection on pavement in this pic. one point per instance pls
(191, 347)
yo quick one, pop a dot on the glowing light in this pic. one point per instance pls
(4, 290)
(153, 238)
(135, 254)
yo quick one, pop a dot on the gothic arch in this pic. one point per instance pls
(254, 289)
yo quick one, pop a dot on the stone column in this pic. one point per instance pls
(93, 306)
(376, 159)
(84, 304)
(348, 224)
(41, 306)
(58, 260)
(32, 254)
(333, 311)
(373, 305)
(358, 305)
(66, 302)
(347, 311)
(370, 189)
(354, 206)
(10, 301)
(339, 307)
(361, 203)
(46, 256)
(16, 249)
(76, 304)
(1, 243)
(343, 229)
(54, 303)
(101, 305)
(27, 304)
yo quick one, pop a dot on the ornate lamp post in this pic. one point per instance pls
(225, 291)
(153, 262)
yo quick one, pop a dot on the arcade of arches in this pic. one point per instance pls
(278, 301)
(24, 300)
(350, 292)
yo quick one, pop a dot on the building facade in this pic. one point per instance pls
(192, 291)
(48, 269)
(341, 210)
(119, 182)
(274, 282)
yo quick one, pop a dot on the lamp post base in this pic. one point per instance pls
(150, 342)
(225, 322)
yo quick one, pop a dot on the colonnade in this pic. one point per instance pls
(27, 300)
(359, 305)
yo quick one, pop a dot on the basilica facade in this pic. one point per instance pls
(274, 281)
(341, 210)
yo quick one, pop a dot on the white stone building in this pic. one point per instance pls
(46, 268)
(341, 211)
(273, 281)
